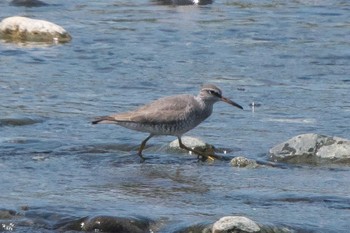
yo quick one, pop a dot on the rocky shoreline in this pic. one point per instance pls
(310, 148)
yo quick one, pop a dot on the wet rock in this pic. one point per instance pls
(235, 224)
(184, 2)
(199, 228)
(241, 161)
(23, 29)
(7, 214)
(210, 152)
(193, 143)
(28, 3)
(6, 220)
(312, 148)
(197, 145)
(115, 224)
(70, 225)
(19, 121)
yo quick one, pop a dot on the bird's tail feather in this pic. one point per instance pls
(103, 120)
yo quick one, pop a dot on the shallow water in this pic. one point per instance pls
(292, 58)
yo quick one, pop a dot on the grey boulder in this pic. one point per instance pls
(312, 148)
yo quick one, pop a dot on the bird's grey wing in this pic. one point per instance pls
(164, 110)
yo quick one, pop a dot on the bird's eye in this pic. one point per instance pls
(214, 93)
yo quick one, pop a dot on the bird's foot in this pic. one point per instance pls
(142, 159)
(206, 154)
(210, 157)
(205, 158)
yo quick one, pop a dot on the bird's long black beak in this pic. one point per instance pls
(224, 99)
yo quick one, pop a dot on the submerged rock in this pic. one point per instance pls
(115, 224)
(184, 2)
(7, 214)
(312, 148)
(108, 224)
(19, 121)
(235, 224)
(199, 228)
(23, 29)
(28, 3)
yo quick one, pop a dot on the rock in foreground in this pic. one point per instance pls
(23, 29)
(312, 148)
(235, 224)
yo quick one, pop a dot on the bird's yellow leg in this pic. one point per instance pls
(199, 153)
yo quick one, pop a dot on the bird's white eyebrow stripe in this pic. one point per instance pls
(216, 93)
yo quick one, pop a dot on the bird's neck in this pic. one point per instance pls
(206, 107)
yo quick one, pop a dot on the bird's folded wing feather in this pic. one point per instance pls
(165, 110)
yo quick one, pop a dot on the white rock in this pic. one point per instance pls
(235, 224)
(19, 28)
(241, 161)
(188, 141)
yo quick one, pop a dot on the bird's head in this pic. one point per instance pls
(211, 93)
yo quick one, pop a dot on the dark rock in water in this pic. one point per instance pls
(115, 224)
(7, 214)
(184, 2)
(70, 225)
(7, 220)
(199, 228)
(312, 148)
(106, 224)
(18, 121)
(28, 3)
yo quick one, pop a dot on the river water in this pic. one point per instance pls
(291, 58)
